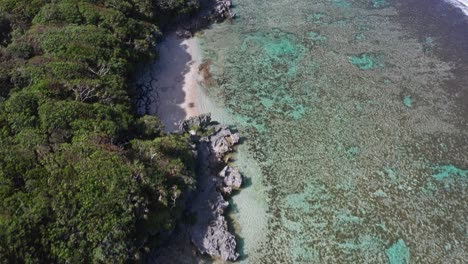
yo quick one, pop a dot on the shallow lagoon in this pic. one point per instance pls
(356, 142)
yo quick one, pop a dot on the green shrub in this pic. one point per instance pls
(82, 178)
(59, 13)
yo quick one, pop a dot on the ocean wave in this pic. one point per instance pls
(461, 4)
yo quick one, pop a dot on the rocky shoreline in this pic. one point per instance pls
(211, 11)
(205, 230)
(216, 181)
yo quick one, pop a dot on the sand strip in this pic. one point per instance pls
(176, 81)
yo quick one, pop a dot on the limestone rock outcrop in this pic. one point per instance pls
(210, 233)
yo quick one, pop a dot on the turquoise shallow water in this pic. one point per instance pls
(358, 146)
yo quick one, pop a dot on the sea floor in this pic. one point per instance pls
(355, 124)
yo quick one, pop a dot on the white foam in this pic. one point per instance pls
(461, 4)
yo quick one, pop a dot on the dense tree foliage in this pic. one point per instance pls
(82, 178)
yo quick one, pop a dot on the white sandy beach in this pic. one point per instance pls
(176, 83)
(191, 104)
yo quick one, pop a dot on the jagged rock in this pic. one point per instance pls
(222, 142)
(222, 10)
(201, 121)
(211, 11)
(210, 232)
(226, 190)
(231, 177)
(219, 242)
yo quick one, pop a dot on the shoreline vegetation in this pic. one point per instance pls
(174, 97)
(83, 176)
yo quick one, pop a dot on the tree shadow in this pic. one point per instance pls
(165, 80)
